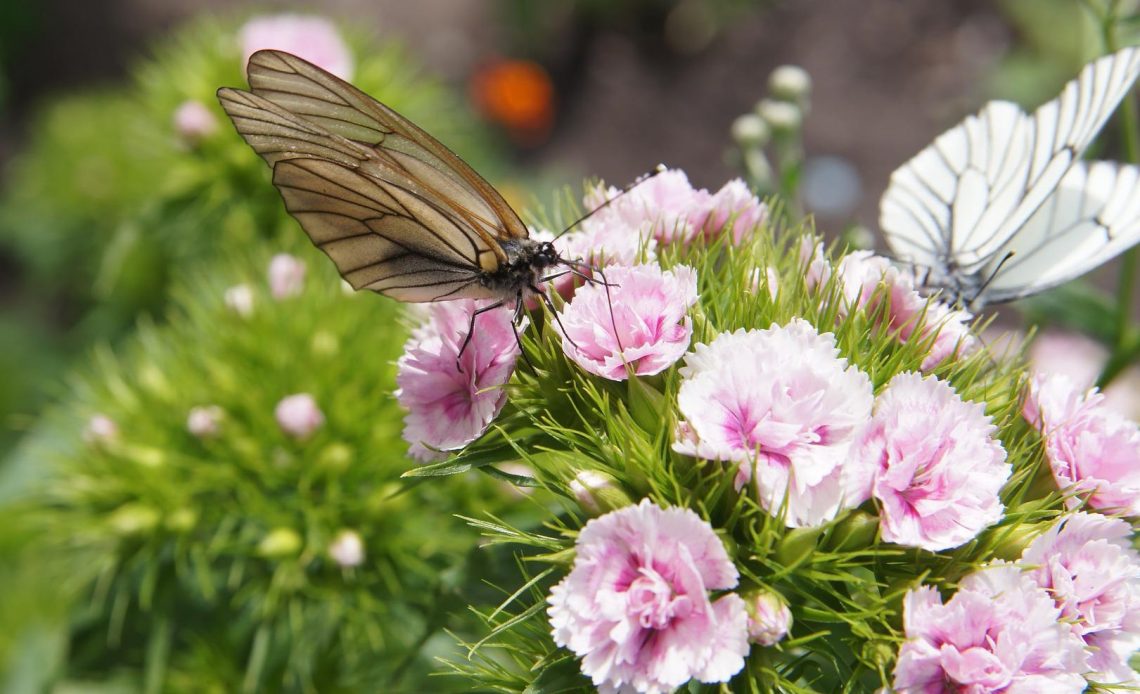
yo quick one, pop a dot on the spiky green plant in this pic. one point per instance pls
(204, 562)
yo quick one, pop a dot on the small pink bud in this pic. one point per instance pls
(205, 422)
(100, 429)
(347, 549)
(286, 276)
(769, 618)
(194, 122)
(598, 492)
(299, 416)
(239, 299)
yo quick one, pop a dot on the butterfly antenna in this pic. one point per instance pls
(613, 320)
(554, 312)
(636, 182)
(991, 278)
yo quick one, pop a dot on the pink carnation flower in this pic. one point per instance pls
(1082, 358)
(817, 271)
(596, 245)
(193, 121)
(734, 204)
(860, 274)
(783, 404)
(310, 37)
(299, 416)
(286, 276)
(450, 405)
(1087, 564)
(999, 633)
(635, 606)
(931, 462)
(646, 305)
(665, 207)
(1093, 451)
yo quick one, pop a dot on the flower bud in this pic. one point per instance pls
(750, 130)
(790, 83)
(797, 546)
(133, 519)
(856, 531)
(194, 122)
(239, 299)
(205, 422)
(299, 416)
(598, 493)
(335, 457)
(347, 549)
(100, 430)
(769, 618)
(781, 116)
(280, 543)
(286, 276)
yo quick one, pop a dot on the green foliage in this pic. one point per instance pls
(202, 564)
(844, 587)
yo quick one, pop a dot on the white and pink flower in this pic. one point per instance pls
(1001, 632)
(734, 204)
(783, 404)
(664, 207)
(299, 416)
(450, 398)
(1093, 451)
(636, 606)
(193, 121)
(286, 276)
(1087, 564)
(638, 322)
(307, 36)
(932, 463)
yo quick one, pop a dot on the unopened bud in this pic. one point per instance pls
(769, 619)
(347, 549)
(750, 130)
(781, 116)
(597, 492)
(791, 83)
(280, 543)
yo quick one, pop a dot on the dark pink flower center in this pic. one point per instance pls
(652, 601)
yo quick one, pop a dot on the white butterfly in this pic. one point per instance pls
(1000, 206)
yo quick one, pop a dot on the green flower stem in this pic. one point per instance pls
(1124, 349)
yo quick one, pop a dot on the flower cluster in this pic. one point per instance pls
(1068, 610)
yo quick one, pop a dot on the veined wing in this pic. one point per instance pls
(956, 203)
(1093, 216)
(340, 108)
(280, 137)
(381, 236)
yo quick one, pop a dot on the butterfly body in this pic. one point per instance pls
(1001, 206)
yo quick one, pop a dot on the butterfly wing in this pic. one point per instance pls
(957, 204)
(1093, 216)
(336, 106)
(393, 208)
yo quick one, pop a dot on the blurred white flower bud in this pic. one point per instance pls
(286, 276)
(299, 416)
(781, 116)
(347, 549)
(239, 298)
(193, 121)
(750, 130)
(791, 83)
(100, 429)
(205, 422)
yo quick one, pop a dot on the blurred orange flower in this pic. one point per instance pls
(518, 95)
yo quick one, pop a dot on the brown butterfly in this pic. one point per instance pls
(398, 212)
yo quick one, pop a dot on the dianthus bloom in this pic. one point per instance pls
(193, 121)
(310, 37)
(667, 208)
(286, 276)
(299, 416)
(1087, 564)
(639, 319)
(999, 633)
(914, 317)
(450, 404)
(931, 462)
(783, 404)
(1093, 451)
(635, 606)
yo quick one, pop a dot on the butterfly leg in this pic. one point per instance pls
(471, 331)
